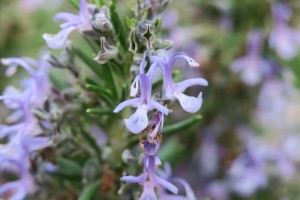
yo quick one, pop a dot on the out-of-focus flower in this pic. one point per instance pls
(248, 172)
(283, 39)
(81, 22)
(218, 190)
(163, 194)
(38, 85)
(247, 175)
(175, 90)
(150, 180)
(208, 156)
(252, 66)
(273, 102)
(21, 187)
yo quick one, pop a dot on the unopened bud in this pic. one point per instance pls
(145, 32)
(132, 41)
(165, 44)
(106, 52)
(101, 20)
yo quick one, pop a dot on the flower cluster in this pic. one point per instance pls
(31, 121)
(138, 122)
(23, 135)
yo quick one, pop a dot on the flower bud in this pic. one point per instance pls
(145, 33)
(102, 21)
(106, 52)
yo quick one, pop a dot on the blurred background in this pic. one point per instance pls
(246, 147)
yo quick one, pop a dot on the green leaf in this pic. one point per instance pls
(180, 126)
(90, 191)
(75, 3)
(171, 151)
(118, 25)
(68, 167)
(100, 111)
(92, 64)
(130, 22)
(158, 24)
(92, 142)
(102, 2)
(90, 81)
(57, 82)
(105, 94)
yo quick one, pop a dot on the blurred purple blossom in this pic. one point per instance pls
(150, 180)
(283, 39)
(81, 22)
(37, 86)
(163, 194)
(252, 66)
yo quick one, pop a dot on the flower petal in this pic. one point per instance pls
(131, 102)
(58, 40)
(166, 184)
(14, 62)
(134, 87)
(188, 103)
(148, 192)
(188, 190)
(139, 120)
(133, 179)
(181, 86)
(158, 106)
(239, 64)
(65, 16)
(191, 62)
(83, 10)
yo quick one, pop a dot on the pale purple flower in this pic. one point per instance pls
(81, 22)
(163, 194)
(175, 90)
(139, 120)
(283, 39)
(252, 66)
(246, 175)
(25, 184)
(28, 125)
(149, 180)
(208, 156)
(248, 172)
(273, 100)
(218, 190)
(38, 85)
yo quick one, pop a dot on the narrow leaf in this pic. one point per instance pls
(90, 191)
(75, 3)
(183, 125)
(118, 25)
(92, 142)
(93, 65)
(103, 93)
(100, 111)
(68, 167)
